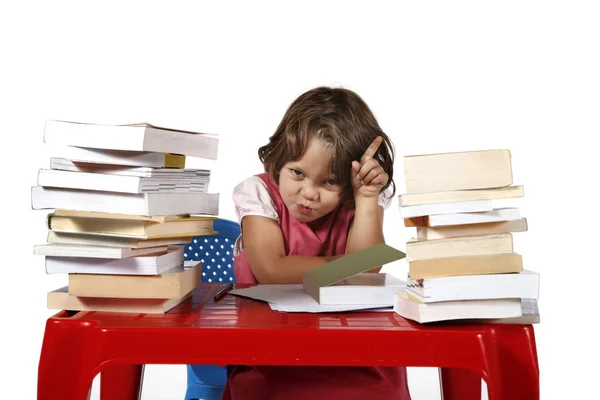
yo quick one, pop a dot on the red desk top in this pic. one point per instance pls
(237, 312)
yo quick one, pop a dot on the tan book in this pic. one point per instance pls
(171, 284)
(472, 265)
(60, 299)
(114, 241)
(444, 232)
(459, 247)
(458, 171)
(508, 192)
(101, 215)
(185, 226)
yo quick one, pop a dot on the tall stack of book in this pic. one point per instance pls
(462, 263)
(124, 203)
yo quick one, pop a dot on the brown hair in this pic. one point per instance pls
(336, 116)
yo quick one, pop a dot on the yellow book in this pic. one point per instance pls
(471, 265)
(459, 247)
(102, 215)
(453, 196)
(114, 241)
(177, 227)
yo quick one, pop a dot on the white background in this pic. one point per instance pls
(439, 76)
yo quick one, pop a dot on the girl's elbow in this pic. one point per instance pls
(264, 273)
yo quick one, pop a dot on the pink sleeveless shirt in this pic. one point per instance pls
(327, 237)
(324, 238)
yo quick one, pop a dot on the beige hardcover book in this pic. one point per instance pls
(60, 299)
(450, 231)
(413, 199)
(458, 171)
(186, 226)
(115, 241)
(458, 266)
(459, 247)
(171, 284)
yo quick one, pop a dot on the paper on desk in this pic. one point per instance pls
(318, 308)
(293, 298)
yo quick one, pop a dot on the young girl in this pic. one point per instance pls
(328, 178)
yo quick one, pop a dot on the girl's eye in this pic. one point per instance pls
(331, 182)
(295, 172)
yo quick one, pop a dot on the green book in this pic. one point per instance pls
(343, 281)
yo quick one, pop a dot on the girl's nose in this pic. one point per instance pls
(309, 192)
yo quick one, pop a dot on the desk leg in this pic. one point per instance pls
(65, 374)
(460, 384)
(512, 364)
(121, 382)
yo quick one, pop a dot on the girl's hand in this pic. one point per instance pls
(367, 176)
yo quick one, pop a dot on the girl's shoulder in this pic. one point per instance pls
(252, 197)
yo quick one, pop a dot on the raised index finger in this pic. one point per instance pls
(372, 149)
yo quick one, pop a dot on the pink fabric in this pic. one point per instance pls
(322, 238)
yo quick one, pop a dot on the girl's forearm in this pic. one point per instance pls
(367, 229)
(289, 269)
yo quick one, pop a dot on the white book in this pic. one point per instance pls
(456, 207)
(530, 311)
(76, 250)
(293, 298)
(135, 137)
(141, 265)
(64, 164)
(411, 308)
(497, 215)
(124, 203)
(117, 183)
(374, 289)
(122, 157)
(524, 284)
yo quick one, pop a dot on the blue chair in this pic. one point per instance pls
(207, 382)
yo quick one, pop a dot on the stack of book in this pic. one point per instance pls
(123, 205)
(462, 263)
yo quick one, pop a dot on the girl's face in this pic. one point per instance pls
(307, 185)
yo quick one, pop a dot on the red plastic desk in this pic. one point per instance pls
(77, 346)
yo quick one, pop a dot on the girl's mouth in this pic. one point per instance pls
(304, 209)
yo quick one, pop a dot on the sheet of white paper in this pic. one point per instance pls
(318, 308)
(293, 298)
